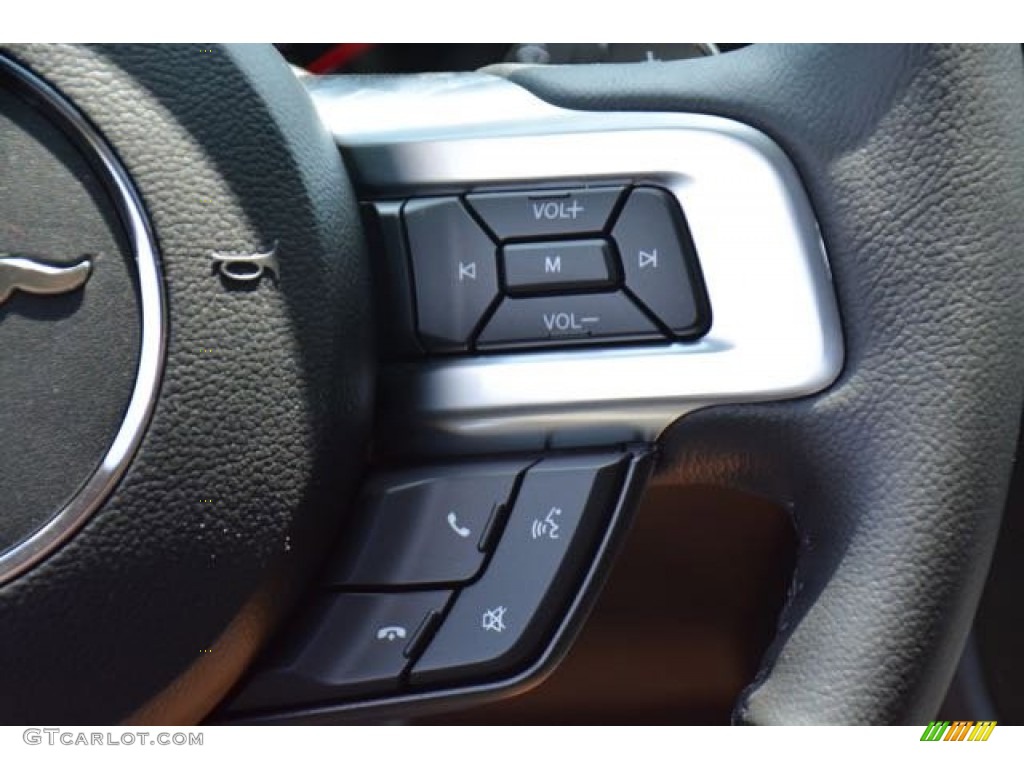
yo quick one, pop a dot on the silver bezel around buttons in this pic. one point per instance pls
(775, 330)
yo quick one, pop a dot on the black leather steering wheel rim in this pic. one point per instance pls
(896, 476)
(258, 433)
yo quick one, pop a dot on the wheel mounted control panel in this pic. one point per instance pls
(554, 288)
(559, 267)
(466, 575)
(450, 575)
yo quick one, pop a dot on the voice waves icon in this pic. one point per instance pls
(548, 527)
(20, 274)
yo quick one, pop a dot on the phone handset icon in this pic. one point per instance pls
(453, 523)
(391, 633)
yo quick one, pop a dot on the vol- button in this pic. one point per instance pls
(562, 319)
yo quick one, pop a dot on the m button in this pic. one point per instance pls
(557, 267)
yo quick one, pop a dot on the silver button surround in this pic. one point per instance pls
(775, 330)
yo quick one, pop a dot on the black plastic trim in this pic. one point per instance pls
(425, 702)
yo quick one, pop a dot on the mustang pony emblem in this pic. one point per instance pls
(20, 274)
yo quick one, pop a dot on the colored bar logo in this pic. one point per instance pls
(958, 730)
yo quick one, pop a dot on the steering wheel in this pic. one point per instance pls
(191, 416)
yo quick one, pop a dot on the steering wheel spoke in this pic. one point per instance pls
(792, 270)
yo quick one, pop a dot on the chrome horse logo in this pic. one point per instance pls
(20, 274)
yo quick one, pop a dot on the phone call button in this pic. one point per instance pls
(425, 527)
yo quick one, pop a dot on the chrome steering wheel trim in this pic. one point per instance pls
(75, 512)
(775, 330)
